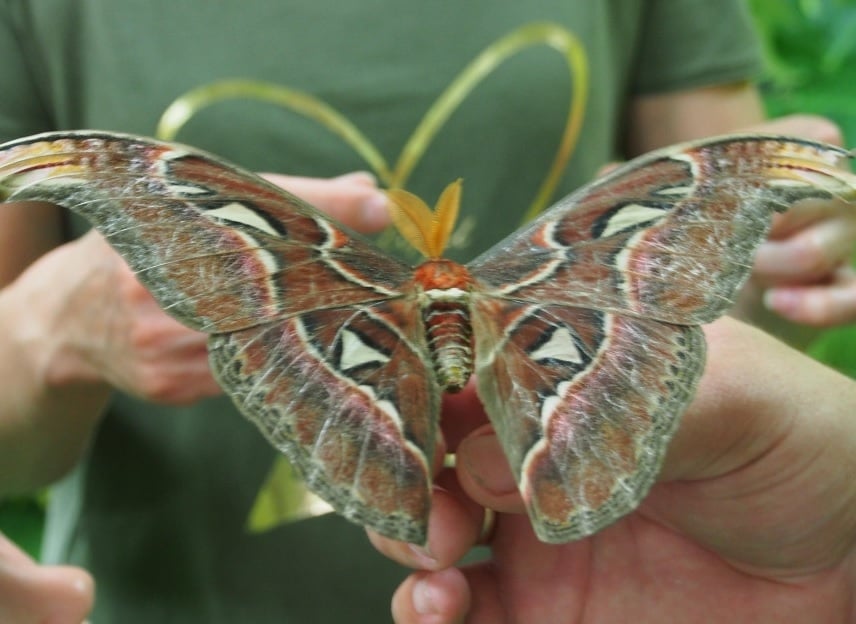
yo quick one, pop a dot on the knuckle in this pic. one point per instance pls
(153, 384)
(822, 310)
(143, 338)
(813, 257)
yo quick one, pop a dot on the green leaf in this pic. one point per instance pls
(283, 498)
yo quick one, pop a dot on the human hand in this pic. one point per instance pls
(353, 198)
(802, 273)
(87, 320)
(753, 518)
(36, 594)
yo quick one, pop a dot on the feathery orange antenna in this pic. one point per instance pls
(427, 230)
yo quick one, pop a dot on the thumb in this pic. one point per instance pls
(353, 199)
(31, 593)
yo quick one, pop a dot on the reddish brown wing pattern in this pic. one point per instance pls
(346, 395)
(585, 322)
(584, 403)
(670, 235)
(220, 248)
(301, 312)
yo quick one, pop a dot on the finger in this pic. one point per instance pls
(607, 168)
(165, 362)
(812, 127)
(484, 473)
(526, 580)
(353, 199)
(432, 598)
(453, 528)
(30, 593)
(11, 555)
(808, 256)
(807, 212)
(462, 413)
(818, 306)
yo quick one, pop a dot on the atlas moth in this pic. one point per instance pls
(582, 328)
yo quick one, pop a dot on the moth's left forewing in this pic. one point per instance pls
(670, 235)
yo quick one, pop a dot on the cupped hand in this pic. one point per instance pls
(36, 594)
(753, 518)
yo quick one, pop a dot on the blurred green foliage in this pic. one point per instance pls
(21, 520)
(810, 50)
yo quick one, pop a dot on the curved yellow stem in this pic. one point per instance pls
(566, 43)
(482, 66)
(189, 104)
(530, 35)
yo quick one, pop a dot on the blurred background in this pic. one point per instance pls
(810, 49)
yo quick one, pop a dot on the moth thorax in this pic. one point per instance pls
(445, 295)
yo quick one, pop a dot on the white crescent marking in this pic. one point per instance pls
(675, 191)
(629, 216)
(239, 213)
(355, 352)
(189, 190)
(788, 183)
(560, 346)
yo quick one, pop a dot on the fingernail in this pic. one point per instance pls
(358, 177)
(772, 255)
(424, 598)
(421, 557)
(82, 584)
(375, 211)
(782, 300)
(487, 465)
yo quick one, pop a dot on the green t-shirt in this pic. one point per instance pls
(158, 507)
